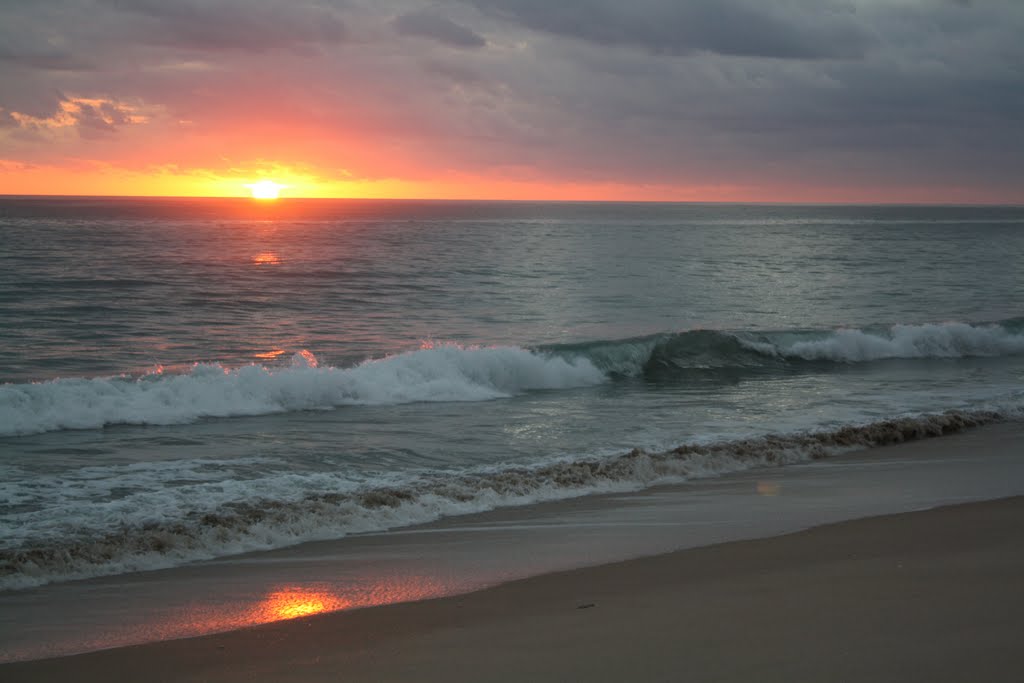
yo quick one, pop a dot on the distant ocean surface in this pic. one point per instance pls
(190, 379)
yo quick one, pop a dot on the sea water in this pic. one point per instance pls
(187, 380)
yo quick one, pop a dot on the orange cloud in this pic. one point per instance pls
(84, 112)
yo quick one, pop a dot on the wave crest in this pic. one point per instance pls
(948, 340)
(442, 373)
(697, 353)
(449, 372)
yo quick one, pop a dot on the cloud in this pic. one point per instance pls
(427, 24)
(34, 36)
(91, 116)
(38, 57)
(788, 29)
(10, 166)
(252, 25)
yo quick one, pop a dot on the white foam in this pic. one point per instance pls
(442, 373)
(154, 527)
(948, 340)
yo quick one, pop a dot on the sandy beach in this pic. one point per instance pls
(934, 595)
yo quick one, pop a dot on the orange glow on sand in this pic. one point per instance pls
(292, 603)
(281, 603)
(265, 189)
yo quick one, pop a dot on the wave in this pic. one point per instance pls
(449, 372)
(712, 351)
(949, 340)
(440, 373)
(305, 510)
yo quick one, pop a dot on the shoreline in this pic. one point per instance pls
(399, 506)
(928, 595)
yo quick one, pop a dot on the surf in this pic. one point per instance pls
(452, 372)
(155, 528)
(442, 373)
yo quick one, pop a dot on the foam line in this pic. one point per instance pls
(156, 528)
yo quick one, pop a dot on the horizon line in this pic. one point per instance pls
(278, 200)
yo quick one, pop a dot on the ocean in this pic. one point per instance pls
(190, 388)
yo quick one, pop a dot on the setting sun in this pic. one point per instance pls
(265, 189)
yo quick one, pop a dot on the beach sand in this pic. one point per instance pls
(933, 596)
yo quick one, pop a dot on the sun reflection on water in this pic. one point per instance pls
(266, 258)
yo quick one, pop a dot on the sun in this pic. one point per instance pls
(266, 189)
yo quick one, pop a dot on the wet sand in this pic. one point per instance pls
(925, 596)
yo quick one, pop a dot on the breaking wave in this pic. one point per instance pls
(332, 506)
(710, 351)
(442, 373)
(455, 373)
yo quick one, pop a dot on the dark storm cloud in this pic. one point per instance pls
(939, 90)
(35, 56)
(235, 24)
(35, 36)
(795, 29)
(427, 24)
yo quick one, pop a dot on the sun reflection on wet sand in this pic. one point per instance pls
(295, 601)
(231, 609)
(291, 602)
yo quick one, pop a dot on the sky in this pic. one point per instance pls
(690, 100)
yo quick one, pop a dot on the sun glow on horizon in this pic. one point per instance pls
(265, 189)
